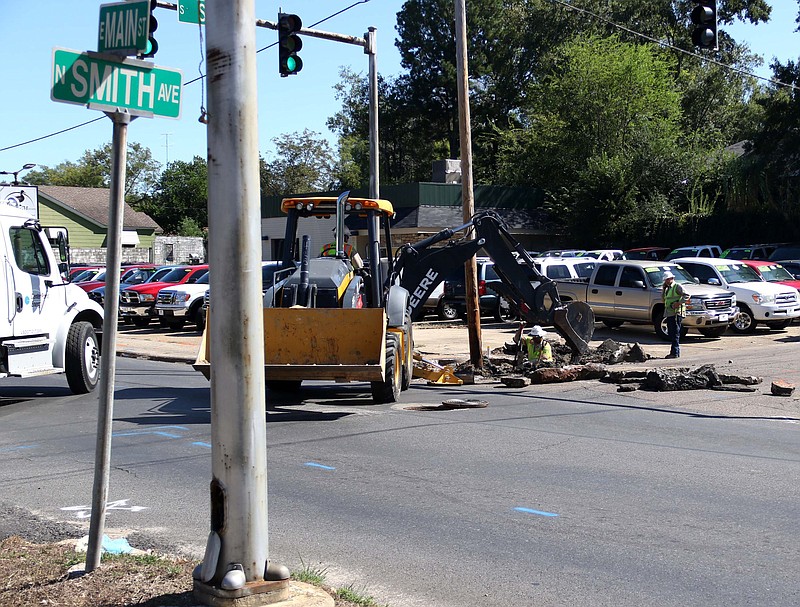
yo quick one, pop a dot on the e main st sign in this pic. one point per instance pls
(124, 27)
(105, 82)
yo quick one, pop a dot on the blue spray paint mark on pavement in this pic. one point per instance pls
(17, 448)
(531, 511)
(203, 444)
(315, 465)
(158, 431)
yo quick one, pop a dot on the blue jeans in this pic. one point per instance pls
(674, 332)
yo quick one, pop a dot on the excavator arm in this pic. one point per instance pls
(420, 267)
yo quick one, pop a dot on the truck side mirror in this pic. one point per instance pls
(714, 282)
(639, 284)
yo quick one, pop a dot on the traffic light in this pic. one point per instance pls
(704, 17)
(152, 44)
(289, 44)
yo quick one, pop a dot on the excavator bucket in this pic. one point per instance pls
(575, 322)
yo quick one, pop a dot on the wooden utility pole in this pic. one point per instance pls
(467, 196)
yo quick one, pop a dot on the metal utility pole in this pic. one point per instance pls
(102, 461)
(467, 196)
(237, 552)
(371, 49)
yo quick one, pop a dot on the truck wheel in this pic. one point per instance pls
(660, 324)
(285, 385)
(197, 316)
(141, 321)
(714, 331)
(744, 322)
(447, 311)
(176, 323)
(779, 325)
(388, 390)
(82, 364)
(505, 312)
(612, 324)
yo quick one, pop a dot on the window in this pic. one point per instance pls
(630, 276)
(606, 275)
(701, 272)
(29, 252)
(557, 271)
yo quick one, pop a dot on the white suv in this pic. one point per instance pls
(772, 304)
(175, 305)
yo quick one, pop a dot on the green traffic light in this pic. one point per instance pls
(291, 64)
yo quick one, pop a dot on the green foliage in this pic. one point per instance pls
(189, 227)
(93, 170)
(310, 574)
(180, 194)
(350, 594)
(303, 163)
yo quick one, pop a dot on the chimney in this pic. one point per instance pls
(447, 171)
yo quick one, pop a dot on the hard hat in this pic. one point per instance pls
(668, 274)
(537, 331)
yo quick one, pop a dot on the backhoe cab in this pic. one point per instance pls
(328, 319)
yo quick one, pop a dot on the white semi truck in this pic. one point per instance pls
(47, 325)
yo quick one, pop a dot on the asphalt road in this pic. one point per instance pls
(553, 495)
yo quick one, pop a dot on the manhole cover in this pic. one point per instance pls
(450, 404)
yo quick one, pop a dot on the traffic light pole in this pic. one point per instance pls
(236, 559)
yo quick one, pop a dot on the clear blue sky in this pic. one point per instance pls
(31, 29)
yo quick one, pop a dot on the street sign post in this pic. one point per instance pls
(124, 27)
(192, 11)
(108, 83)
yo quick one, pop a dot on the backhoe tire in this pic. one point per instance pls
(388, 390)
(283, 385)
(408, 362)
(82, 358)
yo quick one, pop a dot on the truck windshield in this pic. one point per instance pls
(738, 273)
(656, 274)
(774, 273)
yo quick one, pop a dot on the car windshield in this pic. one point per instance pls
(159, 274)
(738, 253)
(738, 273)
(203, 280)
(774, 273)
(175, 275)
(101, 276)
(136, 276)
(656, 274)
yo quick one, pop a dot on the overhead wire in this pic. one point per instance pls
(663, 44)
(202, 76)
(660, 43)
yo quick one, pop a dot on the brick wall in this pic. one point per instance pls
(166, 250)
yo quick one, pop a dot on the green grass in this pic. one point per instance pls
(348, 593)
(310, 574)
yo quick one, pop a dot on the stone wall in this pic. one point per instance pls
(167, 250)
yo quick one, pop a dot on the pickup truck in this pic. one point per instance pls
(630, 291)
(772, 304)
(175, 305)
(138, 302)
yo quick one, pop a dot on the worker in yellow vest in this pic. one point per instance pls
(329, 250)
(675, 299)
(539, 350)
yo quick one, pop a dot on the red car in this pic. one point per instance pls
(772, 271)
(138, 302)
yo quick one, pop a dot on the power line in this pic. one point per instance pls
(82, 124)
(663, 44)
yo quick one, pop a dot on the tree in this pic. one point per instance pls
(604, 130)
(303, 163)
(93, 170)
(181, 194)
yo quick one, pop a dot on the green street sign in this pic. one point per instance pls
(105, 82)
(192, 11)
(124, 27)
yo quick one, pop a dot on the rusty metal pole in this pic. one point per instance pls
(237, 549)
(467, 195)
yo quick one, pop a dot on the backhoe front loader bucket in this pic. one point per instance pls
(324, 343)
(318, 343)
